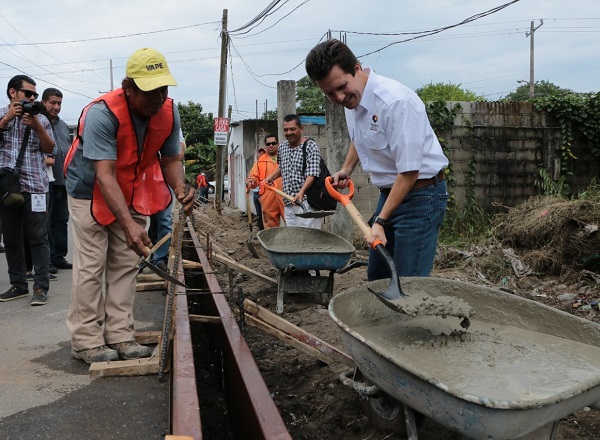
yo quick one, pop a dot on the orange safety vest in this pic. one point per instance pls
(139, 176)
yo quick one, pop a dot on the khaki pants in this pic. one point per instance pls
(104, 271)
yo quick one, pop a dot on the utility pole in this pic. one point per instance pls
(111, 77)
(531, 46)
(222, 95)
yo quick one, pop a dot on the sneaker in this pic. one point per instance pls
(52, 277)
(39, 297)
(64, 264)
(1, 248)
(96, 354)
(29, 276)
(52, 268)
(13, 293)
(131, 350)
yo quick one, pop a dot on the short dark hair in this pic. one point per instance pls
(51, 91)
(324, 56)
(129, 83)
(16, 82)
(290, 118)
(270, 135)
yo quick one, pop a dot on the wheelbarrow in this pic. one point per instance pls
(518, 369)
(295, 251)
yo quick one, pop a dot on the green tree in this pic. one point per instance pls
(309, 97)
(200, 152)
(197, 127)
(446, 92)
(541, 88)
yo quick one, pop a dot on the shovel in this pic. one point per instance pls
(393, 297)
(249, 243)
(305, 213)
(161, 273)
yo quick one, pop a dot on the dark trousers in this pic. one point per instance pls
(58, 217)
(258, 208)
(36, 228)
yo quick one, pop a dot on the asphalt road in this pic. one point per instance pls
(46, 394)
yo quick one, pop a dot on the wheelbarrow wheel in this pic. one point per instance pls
(386, 414)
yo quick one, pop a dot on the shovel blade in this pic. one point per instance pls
(161, 273)
(315, 214)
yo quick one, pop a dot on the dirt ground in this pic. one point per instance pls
(312, 400)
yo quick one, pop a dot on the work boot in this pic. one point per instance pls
(96, 354)
(131, 350)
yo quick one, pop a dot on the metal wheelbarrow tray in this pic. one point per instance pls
(519, 368)
(305, 248)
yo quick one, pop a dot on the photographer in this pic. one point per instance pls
(26, 135)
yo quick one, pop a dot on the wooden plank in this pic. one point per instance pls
(287, 339)
(243, 269)
(297, 333)
(187, 264)
(205, 319)
(134, 367)
(155, 285)
(147, 338)
(147, 277)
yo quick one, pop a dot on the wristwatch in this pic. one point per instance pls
(381, 221)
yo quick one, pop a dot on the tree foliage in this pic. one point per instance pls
(309, 97)
(197, 127)
(446, 92)
(540, 88)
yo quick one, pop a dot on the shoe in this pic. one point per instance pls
(29, 276)
(131, 350)
(1, 248)
(39, 297)
(52, 268)
(52, 277)
(96, 354)
(162, 265)
(13, 293)
(64, 264)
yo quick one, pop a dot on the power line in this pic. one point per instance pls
(116, 36)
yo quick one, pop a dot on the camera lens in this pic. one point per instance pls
(33, 108)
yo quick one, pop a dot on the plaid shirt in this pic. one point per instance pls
(33, 176)
(291, 163)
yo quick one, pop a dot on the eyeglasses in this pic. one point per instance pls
(269, 144)
(28, 93)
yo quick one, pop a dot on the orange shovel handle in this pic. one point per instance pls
(344, 199)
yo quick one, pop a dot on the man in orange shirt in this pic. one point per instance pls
(272, 203)
(202, 187)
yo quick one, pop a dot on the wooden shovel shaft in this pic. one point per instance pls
(281, 193)
(158, 244)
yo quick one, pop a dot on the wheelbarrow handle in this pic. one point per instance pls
(285, 196)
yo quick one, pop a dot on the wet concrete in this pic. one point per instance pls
(46, 394)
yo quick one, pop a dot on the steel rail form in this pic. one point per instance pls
(251, 408)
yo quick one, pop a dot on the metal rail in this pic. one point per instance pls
(250, 405)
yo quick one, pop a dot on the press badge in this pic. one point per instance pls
(38, 202)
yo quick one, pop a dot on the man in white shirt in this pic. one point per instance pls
(392, 138)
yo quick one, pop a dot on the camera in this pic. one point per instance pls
(33, 108)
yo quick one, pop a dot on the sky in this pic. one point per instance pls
(70, 44)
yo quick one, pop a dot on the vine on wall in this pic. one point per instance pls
(576, 114)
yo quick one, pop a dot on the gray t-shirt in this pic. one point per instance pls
(100, 143)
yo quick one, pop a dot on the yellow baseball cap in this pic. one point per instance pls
(149, 69)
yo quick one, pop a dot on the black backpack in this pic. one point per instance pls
(317, 195)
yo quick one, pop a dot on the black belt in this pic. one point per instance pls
(420, 183)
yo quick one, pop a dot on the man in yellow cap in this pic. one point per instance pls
(114, 179)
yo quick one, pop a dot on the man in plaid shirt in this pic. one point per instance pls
(291, 169)
(32, 217)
